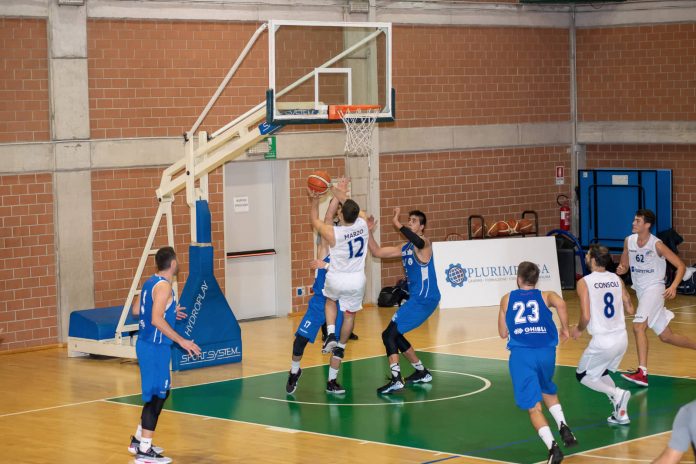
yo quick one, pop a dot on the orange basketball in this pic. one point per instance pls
(525, 226)
(512, 226)
(319, 181)
(499, 228)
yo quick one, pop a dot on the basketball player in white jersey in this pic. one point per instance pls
(645, 255)
(603, 300)
(345, 279)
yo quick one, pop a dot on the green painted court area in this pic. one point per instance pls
(468, 409)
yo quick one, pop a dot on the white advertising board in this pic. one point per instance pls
(479, 272)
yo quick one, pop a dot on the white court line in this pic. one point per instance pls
(622, 459)
(50, 408)
(359, 440)
(486, 385)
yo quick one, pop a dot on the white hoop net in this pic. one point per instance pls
(359, 125)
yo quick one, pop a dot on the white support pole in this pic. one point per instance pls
(191, 185)
(227, 78)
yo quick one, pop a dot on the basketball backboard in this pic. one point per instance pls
(314, 66)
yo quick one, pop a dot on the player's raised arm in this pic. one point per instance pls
(376, 250)
(326, 231)
(627, 302)
(584, 297)
(675, 261)
(502, 325)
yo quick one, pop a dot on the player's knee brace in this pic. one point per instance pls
(580, 375)
(299, 345)
(151, 412)
(402, 343)
(390, 338)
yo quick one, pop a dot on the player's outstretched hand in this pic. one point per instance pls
(312, 194)
(371, 223)
(621, 269)
(564, 335)
(190, 347)
(180, 313)
(670, 293)
(575, 333)
(395, 219)
(317, 264)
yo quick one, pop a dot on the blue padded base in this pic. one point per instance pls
(98, 323)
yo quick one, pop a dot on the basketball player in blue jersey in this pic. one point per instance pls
(158, 311)
(527, 322)
(315, 316)
(417, 257)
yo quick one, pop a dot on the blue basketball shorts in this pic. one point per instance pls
(413, 313)
(531, 370)
(154, 360)
(315, 317)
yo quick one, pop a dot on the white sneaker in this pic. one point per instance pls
(620, 415)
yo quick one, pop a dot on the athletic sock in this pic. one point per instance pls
(608, 380)
(139, 432)
(145, 444)
(331, 329)
(645, 369)
(294, 367)
(418, 365)
(598, 386)
(333, 373)
(395, 369)
(341, 345)
(546, 435)
(557, 412)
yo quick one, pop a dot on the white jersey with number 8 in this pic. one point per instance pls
(606, 303)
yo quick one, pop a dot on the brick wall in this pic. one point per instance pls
(123, 208)
(643, 73)
(150, 78)
(450, 186)
(27, 262)
(302, 238)
(23, 80)
(681, 159)
(480, 75)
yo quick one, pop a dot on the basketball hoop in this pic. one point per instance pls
(359, 121)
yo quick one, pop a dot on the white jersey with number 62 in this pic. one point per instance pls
(606, 304)
(350, 250)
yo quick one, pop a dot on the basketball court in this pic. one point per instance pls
(240, 412)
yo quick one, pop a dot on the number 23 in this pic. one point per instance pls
(519, 307)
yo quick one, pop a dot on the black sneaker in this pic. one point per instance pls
(555, 454)
(151, 457)
(329, 344)
(338, 352)
(291, 386)
(135, 444)
(567, 436)
(353, 336)
(419, 377)
(332, 386)
(395, 384)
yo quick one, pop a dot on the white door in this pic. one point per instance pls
(250, 244)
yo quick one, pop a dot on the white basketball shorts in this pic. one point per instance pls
(348, 288)
(651, 308)
(604, 352)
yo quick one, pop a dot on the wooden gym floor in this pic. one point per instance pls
(59, 410)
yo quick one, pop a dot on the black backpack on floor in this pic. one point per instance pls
(393, 296)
